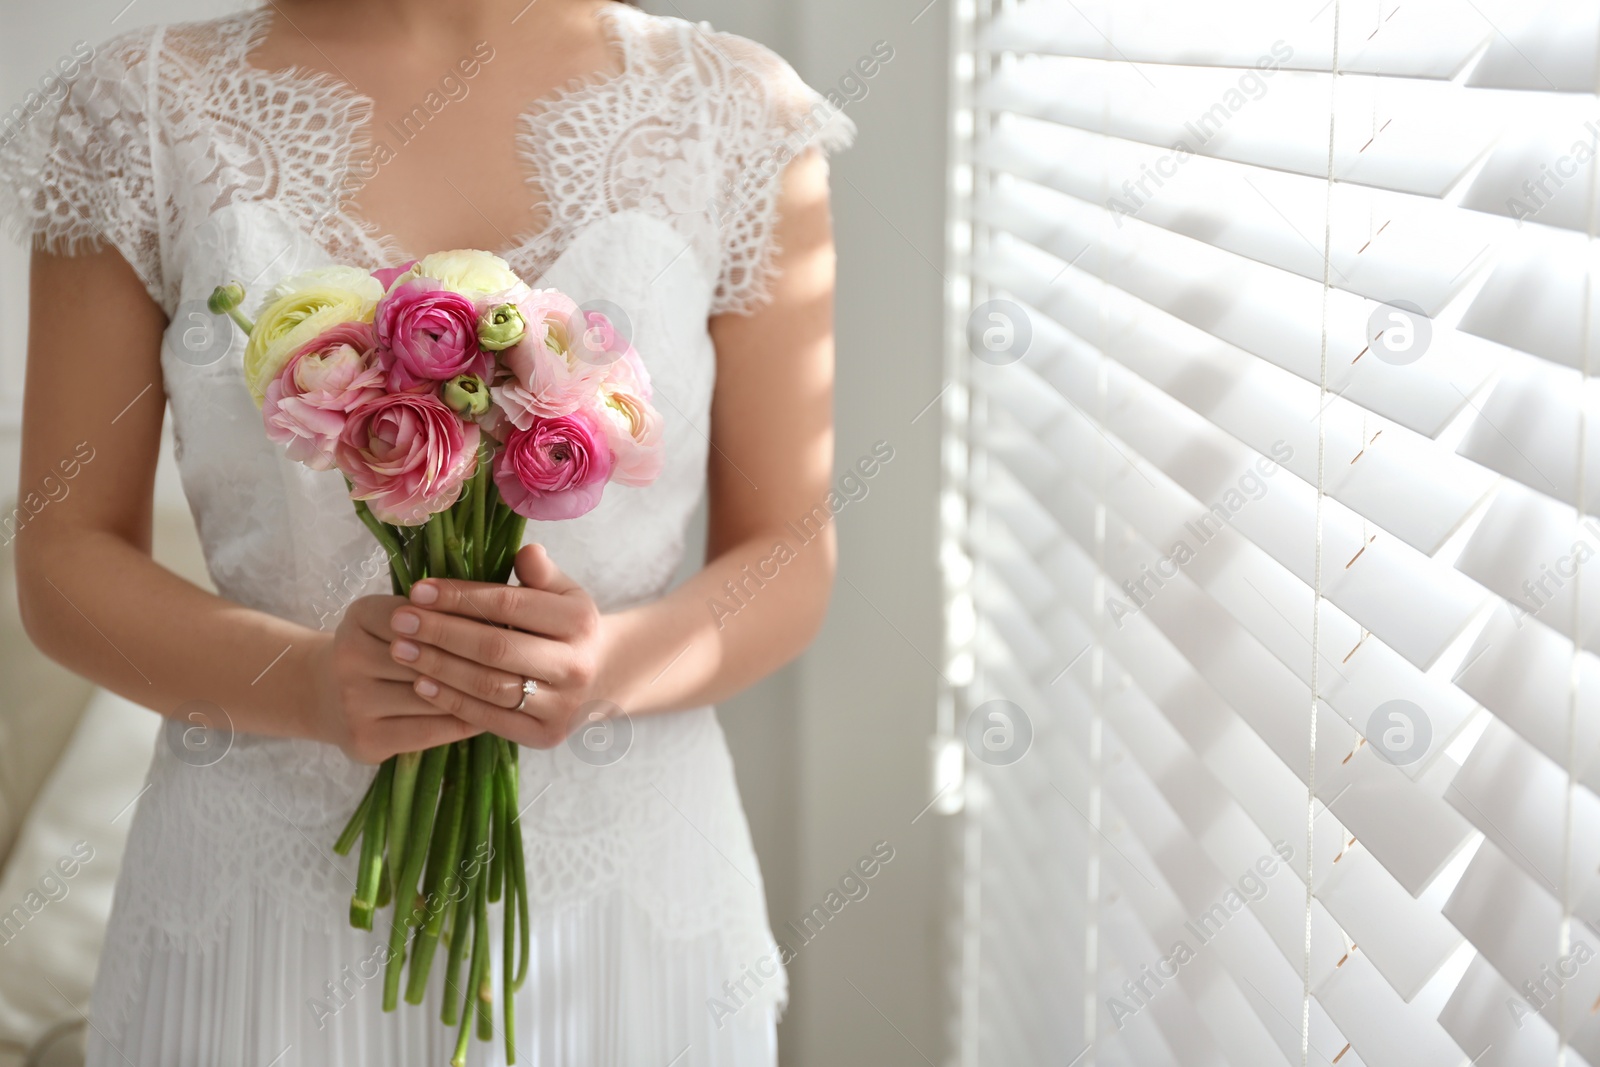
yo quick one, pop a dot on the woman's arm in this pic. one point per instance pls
(770, 465)
(93, 599)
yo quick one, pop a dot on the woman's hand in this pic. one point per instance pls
(365, 702)
(470, 645)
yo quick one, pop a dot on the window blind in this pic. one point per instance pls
(1272, 533)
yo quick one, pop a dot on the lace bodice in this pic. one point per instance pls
(659, 194)
(164, 127)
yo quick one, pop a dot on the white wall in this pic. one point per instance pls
(848, 733)
(831, 753)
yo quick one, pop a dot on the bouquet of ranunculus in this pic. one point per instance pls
(458, 402)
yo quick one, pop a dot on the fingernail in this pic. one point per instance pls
(406, 622)
(424, 593)
(406, 650)
(427, 687)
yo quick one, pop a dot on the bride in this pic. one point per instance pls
(671, 171)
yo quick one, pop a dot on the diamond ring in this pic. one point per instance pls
(529, 687)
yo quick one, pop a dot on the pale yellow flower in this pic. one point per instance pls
(467, 271)
(290, 322)
(356, 280)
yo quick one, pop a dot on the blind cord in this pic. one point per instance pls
(1316, 598)
(1568, 814)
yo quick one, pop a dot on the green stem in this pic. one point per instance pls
(435, 530)
(460, 924)
(372, 840)
(391, 545)
(447, 520)
(415, 536)
(507, 987)
(352, 829)
(425, 807)
(475, 976)
(497, 832)
(406, 767)
(506, 800)
(480, 968)
(500, 518)
(506, 553)
(480, 494)
(385, 886)
(239, 317)
(442, 878)
(452, 548)
(477, 833)
(408, 909)
(499, 524)
(518, 868)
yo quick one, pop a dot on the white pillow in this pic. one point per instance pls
(41, 700)
(55, 893)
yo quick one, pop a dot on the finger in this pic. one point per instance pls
(536, 570)
(413, 733)
(398, 699)
(372, 613)
(517, 726)
(501, 688)
(379, 662)
(537, 611)
(513, 651)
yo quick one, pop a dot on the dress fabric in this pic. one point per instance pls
(229, 941)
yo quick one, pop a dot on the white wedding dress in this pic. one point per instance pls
(229, 944)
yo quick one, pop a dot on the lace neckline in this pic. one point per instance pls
(528, 249)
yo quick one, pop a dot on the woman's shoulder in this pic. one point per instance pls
(713, 58)
(231, 36)
(115, 60)
(176, 48)
(750, 114)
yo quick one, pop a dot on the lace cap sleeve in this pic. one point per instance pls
(773, 118)
(75, 158)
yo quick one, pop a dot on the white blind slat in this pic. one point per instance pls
(1522, 673)
(1427, 39)
(1478, 1020)
(1434, 132)
(1407, 940)
(1511, 920)
(1532, 551)
(1529, 429)
(1535, 297)
(1543, 46)
(1203, 219)
(1384, 243)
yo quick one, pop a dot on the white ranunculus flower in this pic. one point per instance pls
(465, 270)
(357, 282)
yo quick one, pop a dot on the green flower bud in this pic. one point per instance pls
(225, 300)
(466, 395)
(500, 327)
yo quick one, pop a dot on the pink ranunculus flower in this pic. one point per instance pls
(427, 334)
(308, 402)
(494, 423)
(599, 342)
(555, 468)
(549, 374)
(406, 455)
(632, 424)
(387, 275)
(629, 369)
